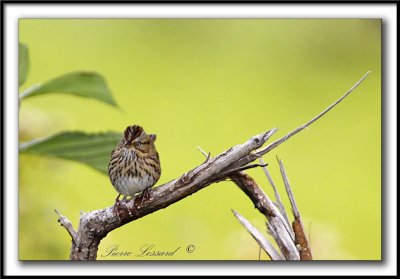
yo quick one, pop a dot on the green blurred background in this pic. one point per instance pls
(213, 83)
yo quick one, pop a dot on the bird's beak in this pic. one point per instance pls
(153, 137)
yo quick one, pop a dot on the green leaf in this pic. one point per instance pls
(23, 63)
(83, 84)
(91, 149)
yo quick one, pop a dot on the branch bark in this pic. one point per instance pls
(276, 222)
(95, 225)
(261, 240)
(296, 246)
(66, 223)
(298, 228)
(276, 193)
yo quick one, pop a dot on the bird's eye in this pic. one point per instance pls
(139, 143)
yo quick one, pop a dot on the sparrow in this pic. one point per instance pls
(134, 165)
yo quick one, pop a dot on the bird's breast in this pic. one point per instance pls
(128, 185)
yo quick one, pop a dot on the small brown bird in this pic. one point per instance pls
(135, 164)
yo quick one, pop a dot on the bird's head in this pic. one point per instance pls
(137, 139)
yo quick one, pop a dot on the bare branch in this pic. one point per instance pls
(285, 244)
(96, 224)
(267, 207)
(261, 240)
(298, 228)
(268, 148)
(301, 240)
(295, 209)
(295, 131)
(66, 223)
(203, 152)
(277, 196)
(245, 168)
(260, 200)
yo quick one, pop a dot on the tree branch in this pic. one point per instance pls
(96, 224)
(298, 228)
(276, 193)
(278, 142)
(275, 219)
(293, 244)
(66, 223)
(261, 240)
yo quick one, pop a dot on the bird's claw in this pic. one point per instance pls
(117, 204)
(145, 195)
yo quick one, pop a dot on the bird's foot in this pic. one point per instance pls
(117, 203)
(145, 195)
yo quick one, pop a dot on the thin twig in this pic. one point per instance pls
(245, 168)
(66, 223)
(298, 228)
(277, 196)
(285, 178)
(265, 205)
(257, 154)
(284, 242)
(295, 131)
(202, 151)
(205, 154)
(261, 240)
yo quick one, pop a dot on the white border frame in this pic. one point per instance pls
(12, 12)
